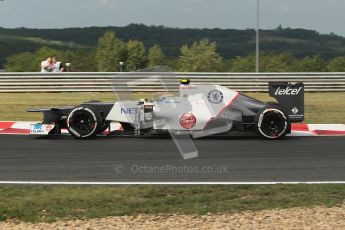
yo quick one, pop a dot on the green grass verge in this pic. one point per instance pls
(320, 107)
(51, 203)
(13, 106)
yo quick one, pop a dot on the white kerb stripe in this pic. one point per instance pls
(332, 127)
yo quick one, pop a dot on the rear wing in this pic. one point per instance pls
(290, 97)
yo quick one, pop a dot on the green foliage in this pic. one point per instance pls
(136, 56)
(82, 60)
(313, 63)
(283, 62)
(200, 57)
(109, 52)
(269, 62)
(230, 42)
(156, 56)
(243, 64)
(44, 52)
(30, 62)
(21, 62)
(336, 64)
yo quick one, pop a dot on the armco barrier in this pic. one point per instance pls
(150, 81)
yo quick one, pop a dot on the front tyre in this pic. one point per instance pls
(83, 123)
(272, 123)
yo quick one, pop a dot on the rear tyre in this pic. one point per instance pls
(84, 123)
(272, 123)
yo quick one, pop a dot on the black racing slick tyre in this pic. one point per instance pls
(272, 123)
(84, 123)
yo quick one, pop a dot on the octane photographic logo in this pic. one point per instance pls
(183, 141)
(188, 121)
(215, 96)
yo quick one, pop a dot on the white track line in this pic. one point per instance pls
(164, 183)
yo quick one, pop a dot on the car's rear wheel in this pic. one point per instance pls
(272, 123)
(84, 123)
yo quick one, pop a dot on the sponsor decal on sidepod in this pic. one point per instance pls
(128, 110)
(215, 96)
(287, 91)
(187, 121)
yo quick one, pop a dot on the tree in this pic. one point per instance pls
(30, 62)
(243, 64)
(310, 64)
(22, 62)
(44, 52)
(156, 56)
(109, 52)
(269, 62)
(283, 62)
(136, 56)
(81, 60)
(200, 57)
(336, 64)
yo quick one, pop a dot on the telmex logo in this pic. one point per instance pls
(287, 91)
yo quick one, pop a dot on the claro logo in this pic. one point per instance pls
(187, 120)
(287, 91)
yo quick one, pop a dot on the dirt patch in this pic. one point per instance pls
(294, 218)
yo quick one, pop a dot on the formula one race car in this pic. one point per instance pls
(199, 110)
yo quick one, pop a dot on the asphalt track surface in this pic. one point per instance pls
(113, 159)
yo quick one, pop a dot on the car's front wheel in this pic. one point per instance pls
(84, 123)
(272, 123)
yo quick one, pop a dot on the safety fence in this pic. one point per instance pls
(160, 81)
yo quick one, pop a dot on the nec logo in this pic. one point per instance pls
(287, 91)
(128, 110)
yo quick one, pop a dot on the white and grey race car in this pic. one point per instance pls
(199, 110)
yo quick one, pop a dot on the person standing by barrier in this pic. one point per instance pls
(58, 66)
(47, 65)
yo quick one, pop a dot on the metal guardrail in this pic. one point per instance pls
(151, 82)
